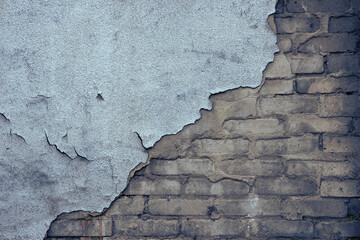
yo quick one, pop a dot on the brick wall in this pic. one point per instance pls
(278, 161)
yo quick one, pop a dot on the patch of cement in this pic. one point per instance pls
(79, 80)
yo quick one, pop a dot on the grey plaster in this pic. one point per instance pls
(80, 79)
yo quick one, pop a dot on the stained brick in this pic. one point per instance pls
(307, 64)
(312, 124)
(284, 43)
(291, 145)
(279, 68)
(143, 186)
(251, 168)
(286, 186)
(254, 126)
(181, 166)
(348, 188)
(319, 168)
(283, 228)
(210, 228)
(80, 228)
(333, 43)
(249, 207)
(299, 6)
(239, 109)
(297, 209)
(289, 104)
(277, 87)
(299, 24)
(354, 208)
(340, 105)
(202, 186)
(127, 206)
(357, 126)
(343, 62)
(331, 230)
(171, 206)
(327, 85)
(210, 147)
(344, 24)
(143, 228)
(341, 144)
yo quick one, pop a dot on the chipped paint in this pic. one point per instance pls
(86, 85)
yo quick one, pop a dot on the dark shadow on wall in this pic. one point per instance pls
(278, 161)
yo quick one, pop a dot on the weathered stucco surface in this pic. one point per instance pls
(82, 80)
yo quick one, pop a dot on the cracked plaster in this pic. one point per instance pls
(83, 81)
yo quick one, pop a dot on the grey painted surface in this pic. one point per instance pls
(80, 78)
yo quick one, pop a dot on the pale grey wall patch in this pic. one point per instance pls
(85, 75)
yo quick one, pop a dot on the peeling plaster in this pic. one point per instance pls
(87, 85)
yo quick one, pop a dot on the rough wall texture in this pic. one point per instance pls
(85, 84)
(278, 161)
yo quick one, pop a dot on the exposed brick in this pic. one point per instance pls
(319, 168)
(289, 104)
(277, 87)
(291, 145)
(333, 43)
(337, 230)
(239, 109)
(313, 124)
(354, 208)
(327, 85)
(341, 144)
(181, 166)
(251, 168)
(249, 207)
(127, 206)
(348, 188)
(340, 105)
(279, 68)
(344, 24)
(224, 147)
(299, 6)
(355, 6)
(357, 126)
(286, 186)
(283, 228)
(121, 237)
(171, 206)
(284, 43)
(144, 228)
(298, 24)
(297, 209)
(202, 186)
(261, 127)
(343, 62)
(307, 64)
(160, 186)
(80, 228)
(210, 228)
